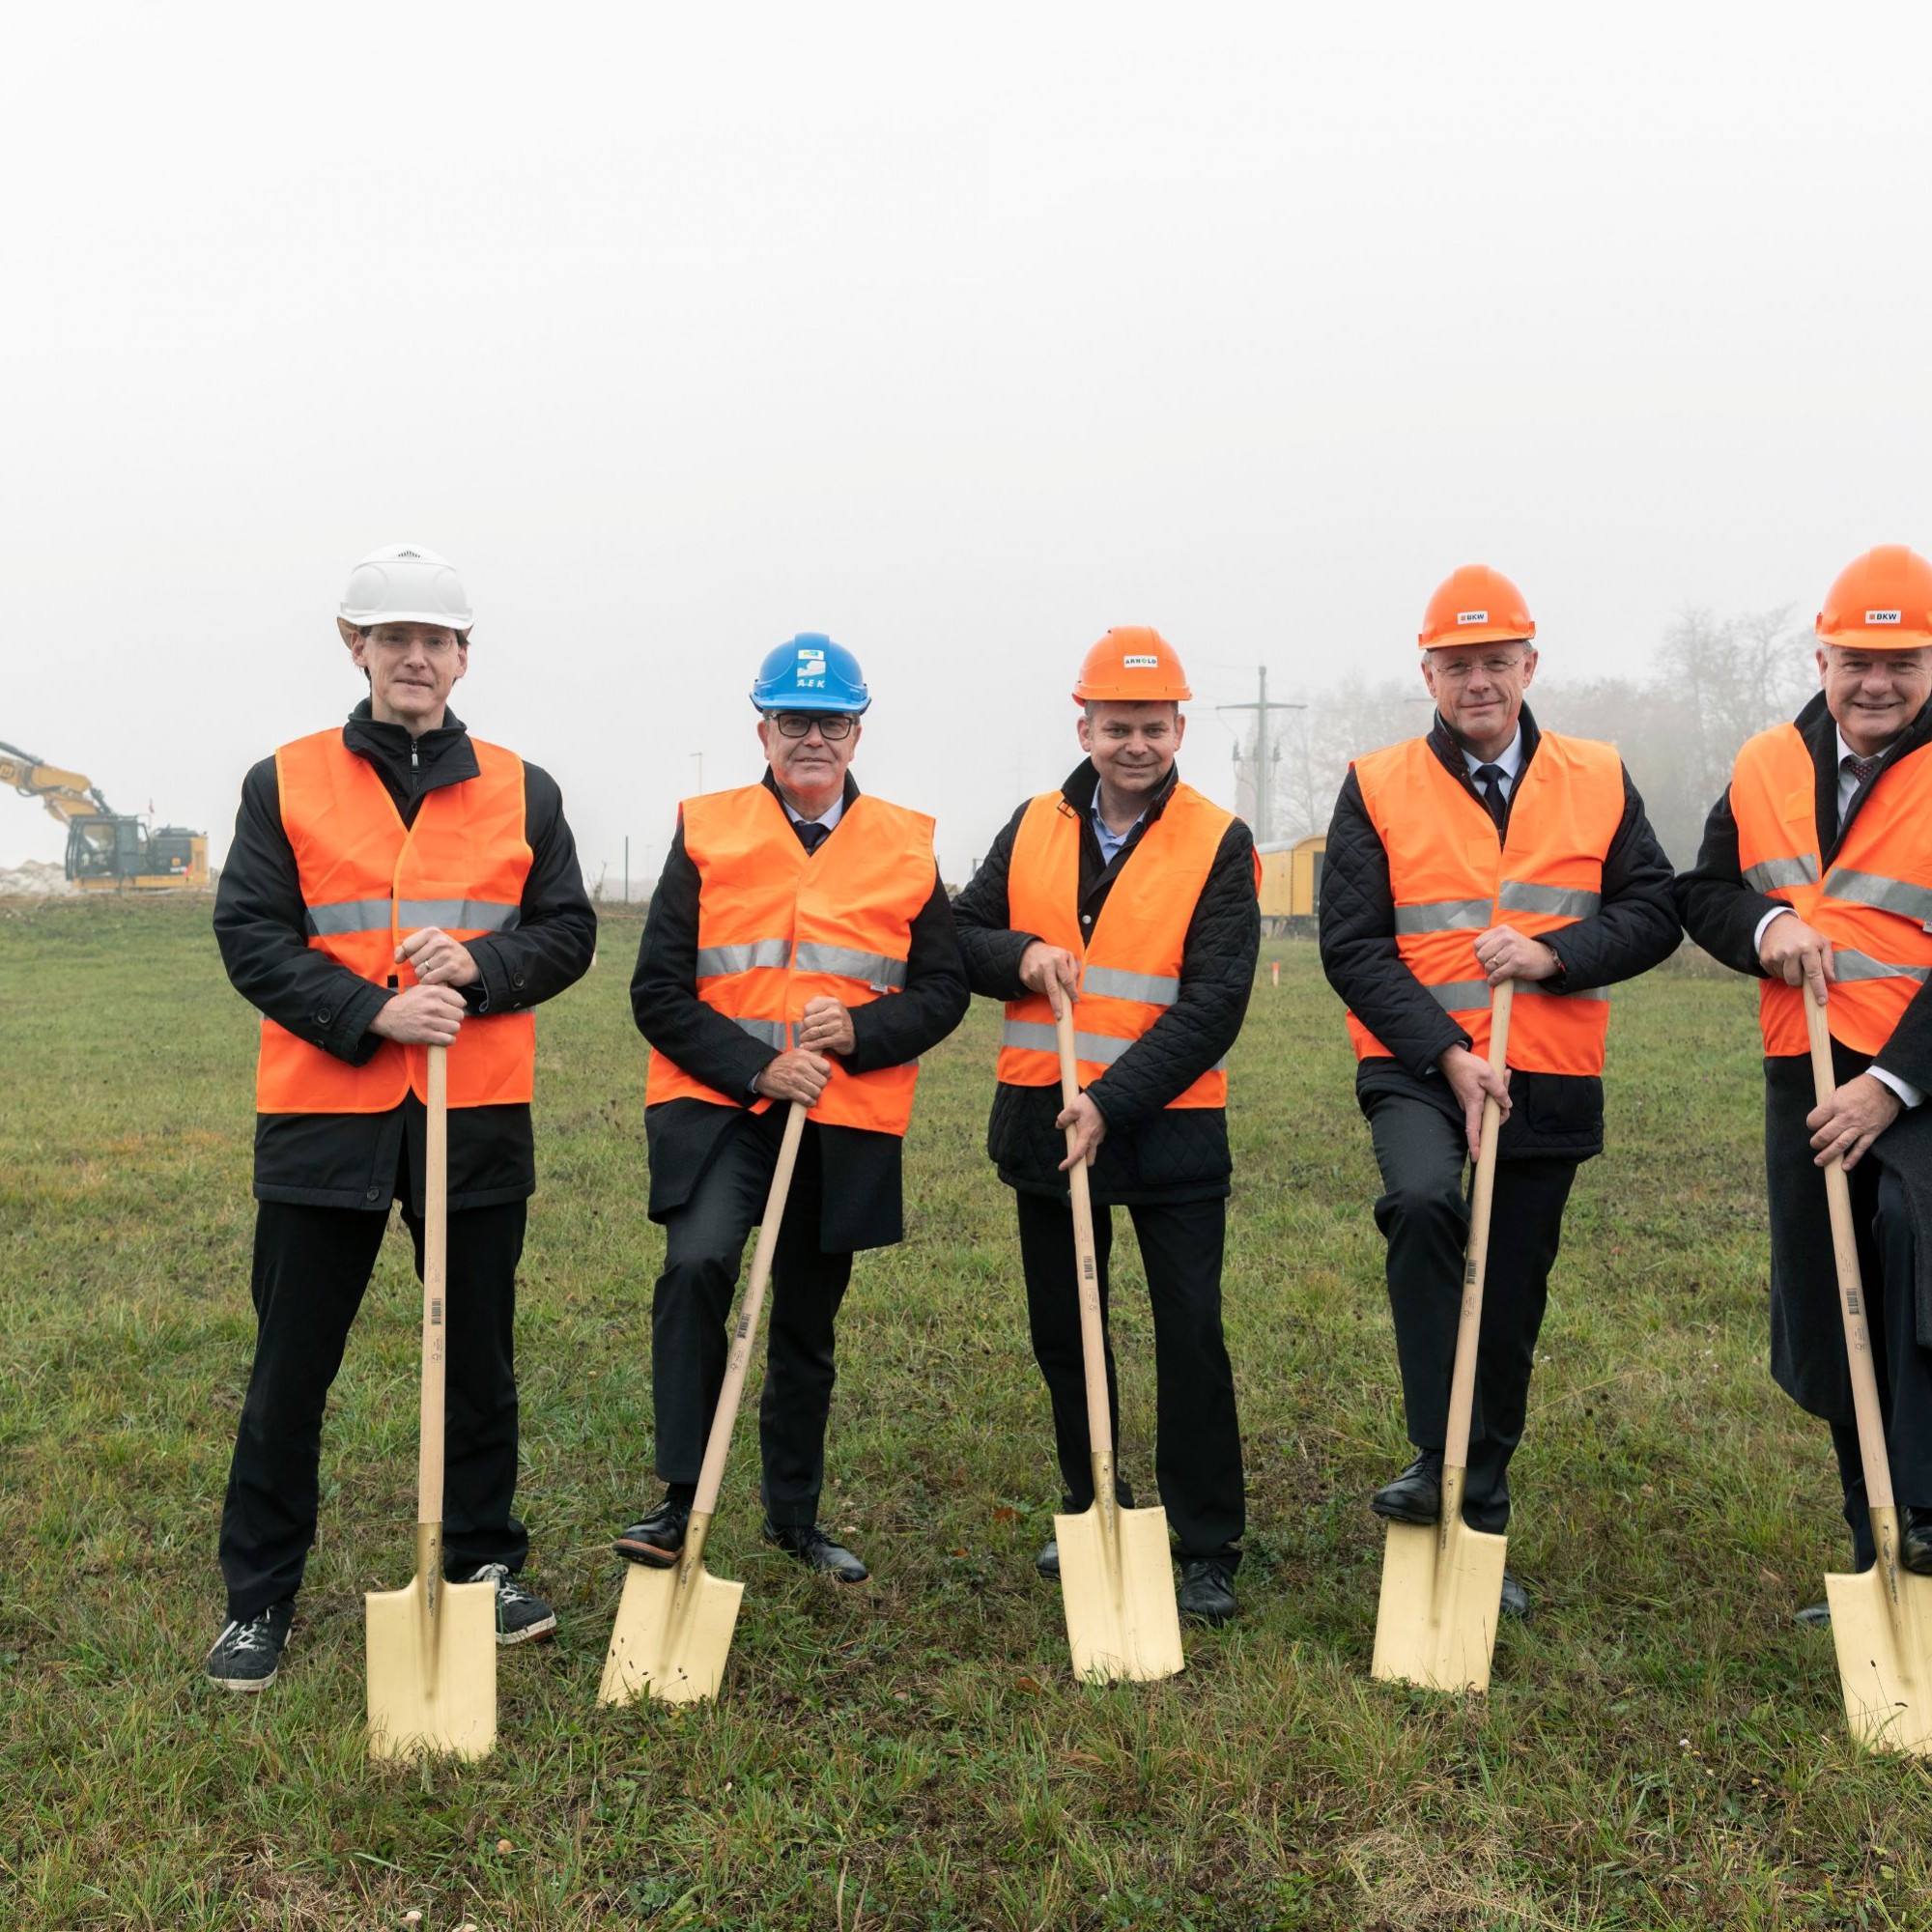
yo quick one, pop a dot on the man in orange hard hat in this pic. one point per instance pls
(1816, 868)
(1487, 851)
(1136, 896)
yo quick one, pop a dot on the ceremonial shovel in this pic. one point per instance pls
(674, 1628)
(1116, 1571)
(432, 1646)
(1443, 1581)
(1881, 1620)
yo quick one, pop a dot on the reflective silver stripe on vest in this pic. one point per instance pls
(1101, 1048)
(465, 915)
(349, 916)
(1461, 996)
(1875, 889)
(1530, 987)
(714, 960)
(1849, 965)
(1558, 901)
(876, 969)
(768, 1033)
(1443, 915)
(1150, 989)
(1767, 874)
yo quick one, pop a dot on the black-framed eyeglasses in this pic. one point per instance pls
(833, 725)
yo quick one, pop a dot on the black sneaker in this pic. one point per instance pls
(1206, 1593)
(657, 1539)
(519, 1616)
(816, 1551)
(1047, 1562)
(248, 1653)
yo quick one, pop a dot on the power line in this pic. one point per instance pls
(1265, 763)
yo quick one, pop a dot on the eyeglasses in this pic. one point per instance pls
(833, 725)
(1457, 673)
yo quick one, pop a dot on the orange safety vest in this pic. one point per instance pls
(1130, 971)
(778, 925)
(1453, 878)
(367, 882)
(1874, 905)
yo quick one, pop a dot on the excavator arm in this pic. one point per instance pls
(67, 795)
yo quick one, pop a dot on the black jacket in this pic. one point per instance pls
(861, 1205)
(1632, 929)
(1722, 913)
(351, 1161)
(1151, 1152)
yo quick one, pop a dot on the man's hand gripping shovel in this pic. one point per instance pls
(1881, 1620)
(432, 1646)
(1116, 1570)
(1442, 1583)
(673, 1630)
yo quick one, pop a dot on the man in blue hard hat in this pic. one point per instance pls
(800, 947)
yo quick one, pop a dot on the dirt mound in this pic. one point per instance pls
(36, 879)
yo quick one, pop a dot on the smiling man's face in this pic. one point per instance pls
(1873, 694)
(412, 668)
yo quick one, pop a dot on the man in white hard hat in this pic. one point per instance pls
(394, 885)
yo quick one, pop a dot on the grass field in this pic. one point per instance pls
(1662, 1745)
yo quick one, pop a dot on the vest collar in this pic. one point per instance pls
(1448, 752)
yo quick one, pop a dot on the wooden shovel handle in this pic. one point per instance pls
(717, 1444)
(1475, 1262)
(1092, 1331)
(436, 1293)
(1851, 1289)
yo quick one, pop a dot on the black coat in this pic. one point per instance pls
(1632, 929)
(351, 1161)
(1151, 1152)
(1722, 913)
(861, 1205)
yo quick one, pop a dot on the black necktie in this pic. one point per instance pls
(1490, 777)
(810, 833)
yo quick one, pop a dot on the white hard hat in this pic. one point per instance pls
(404, 583)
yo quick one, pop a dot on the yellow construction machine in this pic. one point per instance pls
(109, 851)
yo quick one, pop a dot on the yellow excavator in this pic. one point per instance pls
(107, 851)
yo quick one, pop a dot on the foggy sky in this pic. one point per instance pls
(960, 335)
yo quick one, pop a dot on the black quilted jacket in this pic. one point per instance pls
(1150, 1152)
(1633, 929)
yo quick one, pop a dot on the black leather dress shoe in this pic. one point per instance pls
(1814, 1616)
(658, 1538)
(816, 1551)
(1514, 1600)
(1206, 1593)
(1914, 1543)
(1047, 1562)
(1416, 1494)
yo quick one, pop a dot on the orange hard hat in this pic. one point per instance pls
(1476, 606)
(1133, 664)
(1882, 601)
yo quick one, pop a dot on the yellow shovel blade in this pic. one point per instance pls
(672, 1635)
(1436, 1623)
(1117, 1586)
(432, 1674)
(1885, 1658)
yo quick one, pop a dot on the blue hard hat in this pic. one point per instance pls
(810, 674)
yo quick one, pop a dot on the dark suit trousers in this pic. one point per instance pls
(1887, 1271)
(690, 1312)
(1197, 1435)
(1423, 1215)
(312, 1265)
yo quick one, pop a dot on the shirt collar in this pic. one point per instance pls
(1510, 757)
(827, 818)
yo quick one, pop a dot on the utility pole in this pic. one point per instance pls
(627, 869)
(1264, 762)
